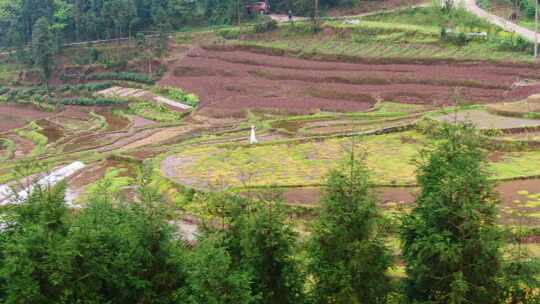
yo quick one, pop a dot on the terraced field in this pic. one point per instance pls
(250, 80)
(308, 108)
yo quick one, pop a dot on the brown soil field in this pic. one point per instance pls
(230, 82)
(310, 195)
(158, 137)
(23, 146)
(484, 120)
(514, 195)
(16, 116)
(139, 122)
(90, 141)
(114, 122)
(52, 131)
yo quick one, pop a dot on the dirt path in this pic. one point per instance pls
(470, 5)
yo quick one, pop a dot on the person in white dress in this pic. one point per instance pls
(253, 137)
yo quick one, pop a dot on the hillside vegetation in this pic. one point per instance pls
(418, 33)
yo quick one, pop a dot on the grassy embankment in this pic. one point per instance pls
(409, 34)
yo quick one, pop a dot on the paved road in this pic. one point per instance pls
(470, 5)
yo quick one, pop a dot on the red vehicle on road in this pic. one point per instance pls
(262, 8)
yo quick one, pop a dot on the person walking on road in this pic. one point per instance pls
(290, 15)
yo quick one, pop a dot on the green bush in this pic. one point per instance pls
(191, 100)
(457, 38)
(229, 34)
(16, 94)
(265, 27)
(125, 76)
(155, 112)
(506, 42)
(91, 101)
(179, 95)
(92, 87)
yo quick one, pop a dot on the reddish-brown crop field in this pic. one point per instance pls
(233, 81)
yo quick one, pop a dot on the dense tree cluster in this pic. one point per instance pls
(249, 251)
(86, 20)
(83, 20)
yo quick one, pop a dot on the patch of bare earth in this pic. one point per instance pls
(17, 116)
(310, 196)
(23, 146)
(114, 122)
(140, 122)
(514, 198)
(52, 131)
(484, 120)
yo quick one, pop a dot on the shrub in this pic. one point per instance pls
(506, 42)
(16, 94)
(457, 38)
(191, 100)
(229, 34)
(179, 95)
(92, 87)
(155, 112)
(125, 76)
(265, 27)
(91, 101)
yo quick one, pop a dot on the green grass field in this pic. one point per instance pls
(391, 158)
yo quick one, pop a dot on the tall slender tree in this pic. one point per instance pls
(451, 243)
(43, 49)
(262, 243)
(348, 258)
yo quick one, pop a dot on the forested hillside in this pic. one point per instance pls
(82, 20)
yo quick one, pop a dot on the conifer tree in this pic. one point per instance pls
(214, 277)
(451, 244)
(36, 266)
(348, 258)
(262, 243)
(43, 49)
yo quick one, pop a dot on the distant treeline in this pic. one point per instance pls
(84, 20)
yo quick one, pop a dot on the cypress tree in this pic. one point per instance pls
(348, 258)
(451, 244)
(262, 244)
(36, 265)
